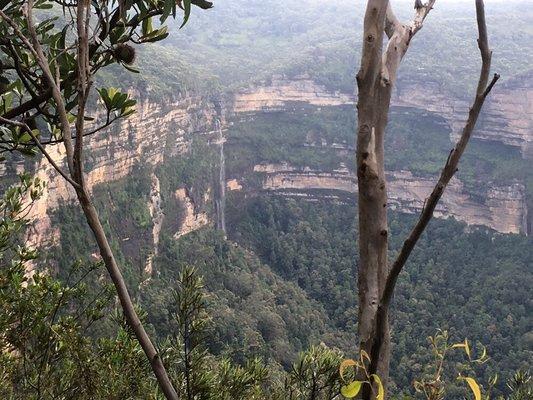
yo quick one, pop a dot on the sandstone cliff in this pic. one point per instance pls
(503, 209)
(507, 117)
(146, 138)
(280, 91)
(157, 130)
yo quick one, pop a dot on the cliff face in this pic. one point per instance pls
(146, 138)
(192, 220)
(510, 114)
(278, 93)
(502, 209)
(507, 117)
(158, 130)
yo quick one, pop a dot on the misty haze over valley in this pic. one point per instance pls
(252, 200)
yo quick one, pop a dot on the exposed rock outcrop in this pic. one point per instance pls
(160, 129)
(280, 92)
(502, 210)
(507, 117)
(147, 137)
(192, 220)
(156, 213)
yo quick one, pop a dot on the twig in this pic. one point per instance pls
(41, 148)
(56, 92)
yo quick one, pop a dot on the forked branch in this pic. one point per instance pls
(40, 146)
(420, 15)
(400, 36)
(450, 167)
(75, 174)
(447, 173)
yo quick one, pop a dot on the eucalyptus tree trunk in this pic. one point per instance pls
(375, 81)
(76, 177)
(373, 105)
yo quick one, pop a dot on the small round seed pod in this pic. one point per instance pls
(124, 53)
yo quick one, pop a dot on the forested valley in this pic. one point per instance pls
(218, 148)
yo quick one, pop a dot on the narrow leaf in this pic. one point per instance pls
(473, 386)
(351, 390)
(187, 12)
(345, 364)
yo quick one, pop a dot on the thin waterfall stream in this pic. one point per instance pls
(220, 202)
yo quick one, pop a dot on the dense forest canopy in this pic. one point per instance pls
(265, 309)
(238, 43)
(241, 42)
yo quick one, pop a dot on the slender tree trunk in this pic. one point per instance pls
(75, 176)
(372, 194)
(375, 81)
(124, 297)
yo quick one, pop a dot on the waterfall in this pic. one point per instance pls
(220, 202)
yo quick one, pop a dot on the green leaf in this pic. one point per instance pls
(351, 390)
(116, 35)
(187, 12)
(131, 69)
(105, 97)
(28, 151)
(147, 26)
(126, 112)
(381, 389)
(169, 7)
(111, 92)
(43, 6)
(155, 36)
(25, 137)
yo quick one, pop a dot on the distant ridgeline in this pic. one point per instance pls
(242, 42)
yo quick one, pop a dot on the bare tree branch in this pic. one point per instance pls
(18, 32)
(453, 160)
(75, 166)
(399, 40)
(420, 16)
(27, 129)
(83, 86)
(447, 173)
(375, 80)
